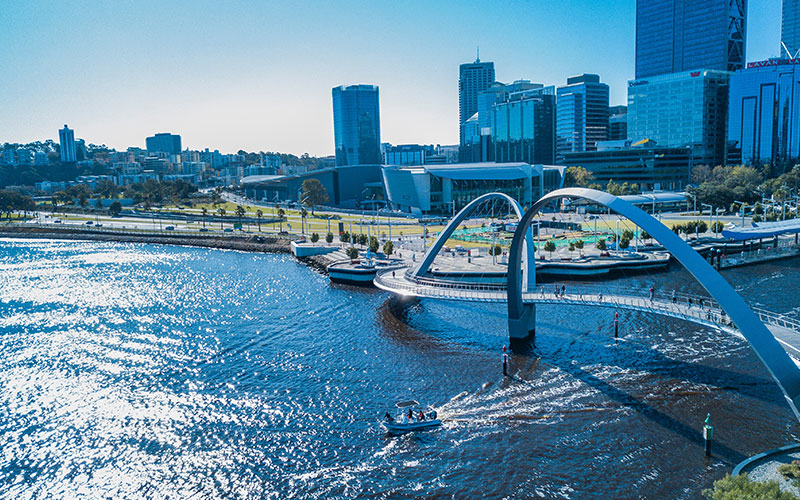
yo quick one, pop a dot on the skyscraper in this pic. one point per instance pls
(765, 113)
(523, 126)
(681, 35)
(473, 78)
(164, 143)
(356, 125)
(581, 114)
(790, 28)
(66, 137)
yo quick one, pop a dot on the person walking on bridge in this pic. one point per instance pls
(652, 293)
(674, 297)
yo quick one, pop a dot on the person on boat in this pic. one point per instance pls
(421, 416)
(410, 414)
(388, 417)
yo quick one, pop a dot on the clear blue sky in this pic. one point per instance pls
(257, 75)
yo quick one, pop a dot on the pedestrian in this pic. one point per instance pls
(556, 292)
(543, 292)
(563, 290)
(600, 296)
(505, 362)
(652, 293)
(392, 274)
(674, 297)
(690, 302)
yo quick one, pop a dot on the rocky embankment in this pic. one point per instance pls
(248, 243)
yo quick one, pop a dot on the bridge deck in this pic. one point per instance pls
(681, 306)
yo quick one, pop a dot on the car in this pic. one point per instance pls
(203, 229)
(170, 228)
(228, 230)
(98, 225)
(89, 223)
(57, 221)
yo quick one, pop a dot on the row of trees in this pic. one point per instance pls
(13, 201)
(580, 177)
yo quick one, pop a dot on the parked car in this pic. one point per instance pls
(170, 228)
(89, 223)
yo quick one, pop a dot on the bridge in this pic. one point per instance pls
(725, 309)
(698, 309)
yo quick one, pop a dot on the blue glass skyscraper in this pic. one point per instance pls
(473, 78)
(681, 35)
(581, 114)
(356, 125)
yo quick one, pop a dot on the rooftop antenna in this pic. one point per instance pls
(478, 58)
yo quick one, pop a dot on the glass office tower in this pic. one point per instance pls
(765, 113)
(790, 28)
(473, 78)
(685, 109)
(680, 35)
(523, 127)
(581, 115)
(66, 138)
(356, 125)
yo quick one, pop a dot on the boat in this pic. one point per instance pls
(401, 422)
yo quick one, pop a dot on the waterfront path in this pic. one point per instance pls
(695, 308)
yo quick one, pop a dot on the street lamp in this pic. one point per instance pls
(743, 204)
(710, 216)
(718, 211)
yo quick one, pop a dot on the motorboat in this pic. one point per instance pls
(402, 423)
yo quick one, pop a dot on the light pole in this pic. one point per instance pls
(710, 216)
(718, 211)
(743, 205)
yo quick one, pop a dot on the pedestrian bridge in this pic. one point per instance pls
(698, 309)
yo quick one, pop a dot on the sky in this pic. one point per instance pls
(257, 75)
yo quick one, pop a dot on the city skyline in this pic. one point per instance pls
(241, 84)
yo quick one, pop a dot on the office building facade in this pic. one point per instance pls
(473, 78)
(681, 110)
(617, 123)
(790, 29)
(648, 165)
(356, 125)
(523, 127)
(164, 143)
(66, 139)
(764, 113)
(581, 114)
(673, 36)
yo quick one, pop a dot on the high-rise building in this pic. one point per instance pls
(473, 78)
(357, 125)
(581, 115)
(681, 35)
(523, 126)
(790, 28)
(66, 138)
(687, 109)
(164, 143)
(617, 123)
(765, 113)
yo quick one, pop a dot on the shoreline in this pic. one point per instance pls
(250, 243)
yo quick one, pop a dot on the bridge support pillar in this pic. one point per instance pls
(524, 327)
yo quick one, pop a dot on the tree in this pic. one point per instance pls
(646, 235)
(373, 244)
(627, 234)
(577, 177)
(314, 237)
(571, 247)
(82, 200)
(550, 247)
(344, 236)
(579, 246)
(281, 215)
(388, 248)
(115, 208)
(314, 193)
(741, 487)
(495, 250)
(259, 214)
(624, 243)
(362, 239)
(352, 252)
(329, 238)
(601, 244)
(221, 212)
(240, 211)
(205, 214)
(717, 227)
(303, 215)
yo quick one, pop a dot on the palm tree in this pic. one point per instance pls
(240, 211)
(221, 212)
(303, 215)
(259, 214)
(205, 214)
(281, 213)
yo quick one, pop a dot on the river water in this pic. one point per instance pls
(145, 371)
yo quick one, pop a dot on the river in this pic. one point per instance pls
(147, 371)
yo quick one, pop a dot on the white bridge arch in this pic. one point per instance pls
(528, 270)
(777, 361)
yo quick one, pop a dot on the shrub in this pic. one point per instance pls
(344, 236)
(362, 239)
(579, 244)
(601, 244)
(352, 252)
(373, 244)
(496, 250)
(388, 248)
(627, 234)
(624, 243)
(742, 487)
(314, 237)
(549, 246)
(717, 227)
(329, 238)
